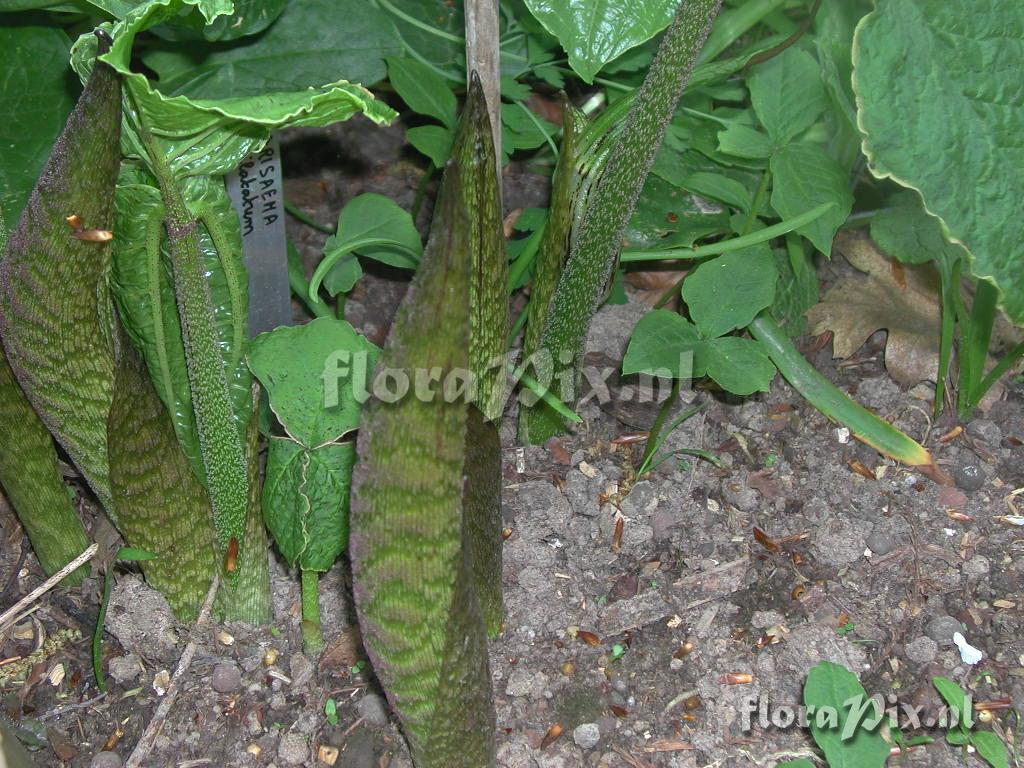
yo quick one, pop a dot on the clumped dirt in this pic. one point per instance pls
(641, 616)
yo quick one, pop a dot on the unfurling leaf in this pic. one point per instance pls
(55, 315)
(413, 547)
(31, 478)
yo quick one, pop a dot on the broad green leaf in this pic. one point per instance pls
(55, 312)
(314, 374)
(991, 748)
(956, 698)
(248, 17)
(433, 141)
(833, 41)
(143, 290)
(343, 275)
(804, 177)
(662, 341)
(743, 141)
(594, 33)
(303, 48)
(35, 99)
(908, 233)
(718, 186)
(939, 115)
(305, 501)
(211, 136)
(423, 90)
(835, 688)
(727, 292)
(787, 93)
(740, 366)
(667, 216)
(522, 128)
(431, 31)
(386, 230)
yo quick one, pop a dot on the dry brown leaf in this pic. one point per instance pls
(905, 302)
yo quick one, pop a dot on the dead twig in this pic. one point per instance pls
(15, 613)
(146, 741)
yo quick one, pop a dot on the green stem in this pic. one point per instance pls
(308, 220)
(421, 190)
(757, 203)
(300, 287)
(220, 442)
(312, 634)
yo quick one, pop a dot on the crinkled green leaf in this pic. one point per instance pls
(248, 17)
(313, 374)
(143, 289)
(312, 42)
(803, 176)
(740, 366)
(727, 292)
(35, 99)
(212, 136)
(940, 105)
(423, 90)
(787, 93)
(832, 686)
(305, 501)
(594, 33)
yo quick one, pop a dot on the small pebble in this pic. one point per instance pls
(922, 650)
(977, 567)
(292, 749)
(941, 629)
(124, 669)
(968, 477)
(226, 678)
(985, 430)
(881, 541)
(587, 735)
(302, 670)
(373, 709)
(106, 760)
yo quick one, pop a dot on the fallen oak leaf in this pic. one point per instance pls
(905, 304)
